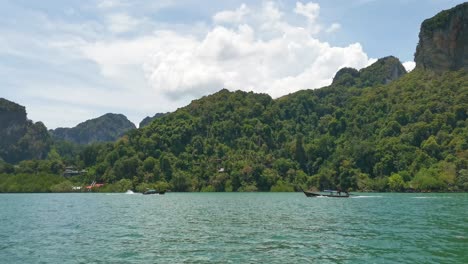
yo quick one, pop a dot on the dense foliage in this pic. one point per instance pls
(411, 133)
(31, 183)
(376, 129)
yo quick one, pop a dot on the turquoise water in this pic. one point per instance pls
(233, 228)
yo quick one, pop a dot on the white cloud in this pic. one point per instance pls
(114, 56)
(409, 65)
(333, 28)
(270, 12)
(159, 67)
(310, 10)
(228, 16)
(265, 54)
(244, 58)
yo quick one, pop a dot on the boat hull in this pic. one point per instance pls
(312, 194)
(154, 192)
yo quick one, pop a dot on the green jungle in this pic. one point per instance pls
(411, 133)
(377, 129)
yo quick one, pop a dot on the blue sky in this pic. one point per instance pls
(69, 61)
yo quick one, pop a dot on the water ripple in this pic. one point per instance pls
(233, 228)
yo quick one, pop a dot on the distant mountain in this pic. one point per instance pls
(147, 120)
(108, 127)
(21, 138)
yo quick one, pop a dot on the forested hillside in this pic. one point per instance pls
(147, 120)
(376, 129)
(411, 133)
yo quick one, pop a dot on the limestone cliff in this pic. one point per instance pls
(20, 138)
(12, 122)
(443, 41)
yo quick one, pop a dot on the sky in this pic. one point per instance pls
(70, 61)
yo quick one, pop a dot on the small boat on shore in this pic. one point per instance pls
(327, 193)
(152, 191)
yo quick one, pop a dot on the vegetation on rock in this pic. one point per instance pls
(20, 138)
(147, 120)
(108, 127)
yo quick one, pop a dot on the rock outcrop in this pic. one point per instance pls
(147, 120)
(12, 123)
(443, 41)
(346, 77)
(20, 138)
(382, 71)
(108, 127)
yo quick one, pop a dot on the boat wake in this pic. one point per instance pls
(129, 192)
(367, 196)
(429, 197)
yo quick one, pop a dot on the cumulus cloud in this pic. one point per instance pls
(129, 62)
(310, 10)
(270, 12)
(244, 58)
(115, 56)
(229, 16)
(237, 59)
(409, 65)
(263, 53)
(246, 49)
(333, 28)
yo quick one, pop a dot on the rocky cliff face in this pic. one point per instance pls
(12, 122)
(382, 71)
(20, 138)
(108, 127)
(443, 41)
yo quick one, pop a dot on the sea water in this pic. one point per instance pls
(233, 228)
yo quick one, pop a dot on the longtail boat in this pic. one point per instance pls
(152, 191)
(327, 193)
